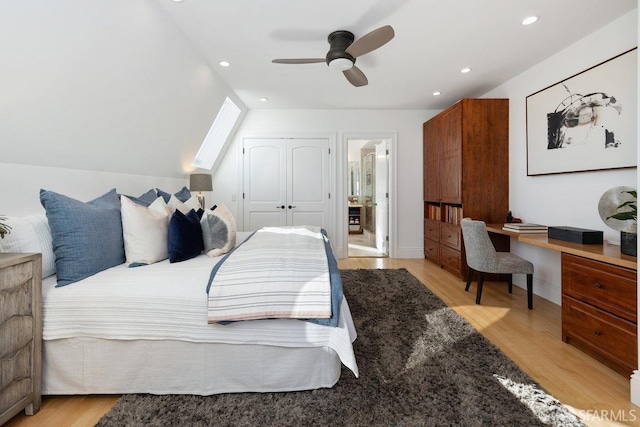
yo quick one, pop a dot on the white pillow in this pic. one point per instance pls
(145, 231)
(31, 234)
(185, 207)
(218, 231)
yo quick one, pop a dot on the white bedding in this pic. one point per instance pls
(165, 301)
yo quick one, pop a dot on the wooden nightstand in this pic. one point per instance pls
(20, 334)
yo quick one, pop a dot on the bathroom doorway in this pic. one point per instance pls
(368, 197)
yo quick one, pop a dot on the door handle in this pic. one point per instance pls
(280, 207)
(291, 207)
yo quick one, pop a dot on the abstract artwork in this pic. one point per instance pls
(586, 122)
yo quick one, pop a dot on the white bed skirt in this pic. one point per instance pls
(102, 366)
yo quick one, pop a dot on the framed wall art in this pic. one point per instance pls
(586, 122)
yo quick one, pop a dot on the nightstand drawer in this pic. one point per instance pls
(602, 285)
(15, 275)
(606, 337)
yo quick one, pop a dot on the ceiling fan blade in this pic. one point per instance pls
(355, 76)
(371, 41)
(298, 61)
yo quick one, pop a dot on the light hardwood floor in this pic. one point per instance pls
(530, 337)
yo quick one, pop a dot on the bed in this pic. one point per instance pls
(124, 311)
(145, 330)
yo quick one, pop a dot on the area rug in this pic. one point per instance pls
(421, 364)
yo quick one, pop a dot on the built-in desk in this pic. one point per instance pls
(599, 298)
(606, 253)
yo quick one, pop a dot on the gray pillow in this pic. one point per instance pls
(87, 237)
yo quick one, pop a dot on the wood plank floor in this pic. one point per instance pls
(598, 395)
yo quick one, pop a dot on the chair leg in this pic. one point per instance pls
(469, 278)
(530, 291)
(511, 283)
(479, 293)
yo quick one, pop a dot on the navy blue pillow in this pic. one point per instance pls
(87, 237)
(185, 236)
(183, 195)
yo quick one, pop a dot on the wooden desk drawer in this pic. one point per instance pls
(451, 235)
(602, 285)
(606, 337)
(432, 230)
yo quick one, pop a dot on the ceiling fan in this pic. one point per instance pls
(343, 52)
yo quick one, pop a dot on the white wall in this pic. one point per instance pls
(408, 126)
(111, 87)
(565, 199)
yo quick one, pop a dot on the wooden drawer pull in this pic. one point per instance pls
(597, 332)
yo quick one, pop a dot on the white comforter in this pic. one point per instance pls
(165, 301)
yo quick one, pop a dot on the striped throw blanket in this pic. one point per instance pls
(279, 272)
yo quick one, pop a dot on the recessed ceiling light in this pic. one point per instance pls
(264, 99)
(529, 20)
(436, 93)
(465, 70)
(224, 63)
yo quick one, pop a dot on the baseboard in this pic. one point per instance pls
(635, 388)
(409, 253)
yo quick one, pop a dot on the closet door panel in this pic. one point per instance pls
(308, 182)
(265, 173)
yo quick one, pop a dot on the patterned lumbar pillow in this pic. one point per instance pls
(145, 231)
(218, 231)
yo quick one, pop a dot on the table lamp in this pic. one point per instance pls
(200, 182)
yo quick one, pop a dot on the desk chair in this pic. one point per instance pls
(483, 258)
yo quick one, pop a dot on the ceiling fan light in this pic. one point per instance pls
(340, 64)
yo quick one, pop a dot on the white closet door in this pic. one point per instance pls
(308, 182)
(265, 175)
(286, 182)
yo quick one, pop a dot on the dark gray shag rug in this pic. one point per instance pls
(421, 364)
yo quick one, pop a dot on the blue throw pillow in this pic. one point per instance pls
(86, 237)
(146, 199)
(183, 195)
(185, 236)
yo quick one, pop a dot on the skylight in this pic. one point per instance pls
(217, 136)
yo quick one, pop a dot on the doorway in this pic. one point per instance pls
(368, 197)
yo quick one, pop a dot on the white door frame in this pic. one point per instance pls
(342, 242)
(332, 231)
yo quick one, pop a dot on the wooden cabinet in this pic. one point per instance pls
(599, 312)
(20, 334)
(465, 173)
(355, 219)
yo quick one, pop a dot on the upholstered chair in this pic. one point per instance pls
(483, 258)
